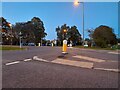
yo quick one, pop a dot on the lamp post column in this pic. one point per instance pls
(64, 49)
(83, 23)
(76, 3)
(20, 34)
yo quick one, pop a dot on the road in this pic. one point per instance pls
(78, 69)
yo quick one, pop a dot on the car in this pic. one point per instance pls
(31, 44)
(48, 44)
(85, 45)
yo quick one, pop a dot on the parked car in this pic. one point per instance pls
(24, 44)
(31, 44)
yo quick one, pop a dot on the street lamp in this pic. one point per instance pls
(64, 49)
(64, 31)
(10, 25)
(20, 35)
(76, 3)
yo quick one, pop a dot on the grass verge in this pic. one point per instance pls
(96, 48)
(11, 48)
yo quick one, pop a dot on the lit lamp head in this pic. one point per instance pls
(76, 2)
(7, 38)
(9, 24)
(64, 30)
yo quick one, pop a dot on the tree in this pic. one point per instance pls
(118, 40)
(61, 35)
(26, 28)
(4, 29)
(39, 30)
(104, 36)
(91, 31)
(74, 35)
(32, 31)
(71, 34)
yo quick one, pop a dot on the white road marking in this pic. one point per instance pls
(27, 60)
(114, 70)
(12, 63)
(39, 59)
(114, 52)
(73, 63)
(89, 58)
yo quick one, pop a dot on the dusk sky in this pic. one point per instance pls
(54, 14)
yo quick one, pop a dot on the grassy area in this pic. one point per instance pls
(98, 48)
(11, 48)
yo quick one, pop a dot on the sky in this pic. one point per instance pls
(54, 14)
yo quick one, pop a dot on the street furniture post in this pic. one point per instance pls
(64, 48)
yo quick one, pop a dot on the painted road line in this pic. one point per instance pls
(39, 59)
(73, 63)
(114, 52)
(12, 63)
(113, 70)
(27, 60)
(89, 58)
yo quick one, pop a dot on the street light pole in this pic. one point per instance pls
(20, 39)
(76, 3)
(10, 25)
(64, 49)
(83, 23)
(20, 43)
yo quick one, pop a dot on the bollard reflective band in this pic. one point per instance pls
(64, 41)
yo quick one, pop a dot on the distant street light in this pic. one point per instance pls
(64, 48)
(64, 31)
(76, 3)
(20, 35)
(10, 25)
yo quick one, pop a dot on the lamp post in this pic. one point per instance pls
(20, 35)
(64, 31)
(64, 49)
(10, 25)
(76, 3)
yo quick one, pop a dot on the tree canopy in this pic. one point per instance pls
(5, 30)
(71, 34)
(104, 36)
(32, 31)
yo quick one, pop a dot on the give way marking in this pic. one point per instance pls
(16, 62)
(11, 63)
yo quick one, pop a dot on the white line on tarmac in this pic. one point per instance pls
(89, 58)
(39, 59)
(27, 60)
(113, 70)
(12, 63)
(113, 52)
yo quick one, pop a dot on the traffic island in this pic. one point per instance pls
(63, 55)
